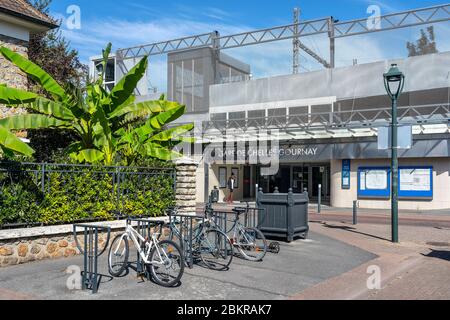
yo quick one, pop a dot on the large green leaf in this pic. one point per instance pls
(156, 151)
(105, 53)
(52, 108)
(91, 156)
(141, 108)
(9, 141)
(172, 134)
(126, 86)
(32, 121)
(36, 73)
(164, 118)
(11, 96)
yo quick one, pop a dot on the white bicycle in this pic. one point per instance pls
(164, 258)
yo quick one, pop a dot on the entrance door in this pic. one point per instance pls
(317, 179)
(282, 180)
(300, 179)
(320, 176)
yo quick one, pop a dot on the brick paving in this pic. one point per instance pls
(429, 279)
(415, 269)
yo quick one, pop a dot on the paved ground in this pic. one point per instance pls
(334, 265)
(299, 265)
(416, 269)
(433, 218)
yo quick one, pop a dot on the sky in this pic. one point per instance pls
(135, 22)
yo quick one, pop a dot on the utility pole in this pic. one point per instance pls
(296, 43)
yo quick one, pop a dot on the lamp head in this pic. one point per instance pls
(394, 81)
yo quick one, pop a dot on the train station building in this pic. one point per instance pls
(326, 126)
(322, 129)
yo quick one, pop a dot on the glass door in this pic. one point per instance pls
(321, 175)
(317, 179)
(300, 179)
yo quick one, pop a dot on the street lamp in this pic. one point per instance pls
(394, 82)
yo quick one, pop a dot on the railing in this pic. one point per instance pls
(119, 191)
(375, 117)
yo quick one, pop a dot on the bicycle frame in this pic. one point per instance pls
(149, 244)
(236, 229)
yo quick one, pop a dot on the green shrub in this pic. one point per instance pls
(79, 193)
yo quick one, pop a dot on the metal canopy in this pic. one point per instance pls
(330, 26)
(333, 124)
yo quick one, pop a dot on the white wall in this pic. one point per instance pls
(365, 80)
(14, 31)
(344, 198)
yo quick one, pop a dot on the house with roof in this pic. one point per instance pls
(18, 22)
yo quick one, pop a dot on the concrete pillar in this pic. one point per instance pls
(186, 189)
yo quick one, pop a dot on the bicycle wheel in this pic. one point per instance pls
(216, 250)
(252, 244)
(118, 255)
(167, 263)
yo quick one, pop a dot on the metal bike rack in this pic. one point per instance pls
(91, 252)
(253, 217)
(146, 228)
(187, 224)
(250, 218)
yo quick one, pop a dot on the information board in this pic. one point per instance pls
(346, 174)
(374, 182)
(415, 182)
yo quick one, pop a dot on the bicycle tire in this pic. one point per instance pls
(175, 280)
(260, 250)
(220, 261)
(124, 264)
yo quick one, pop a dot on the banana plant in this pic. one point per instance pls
(99, 118)
(11, 144)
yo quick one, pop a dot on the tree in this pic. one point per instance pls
(104, 123)
(53, 54)
(425, 45)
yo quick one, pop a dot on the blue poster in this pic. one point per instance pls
(346, 174)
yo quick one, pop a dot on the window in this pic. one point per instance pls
(110, 73)
(223, 179)
(237, 119)
(256, 118)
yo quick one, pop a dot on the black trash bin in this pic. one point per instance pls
(284, 215)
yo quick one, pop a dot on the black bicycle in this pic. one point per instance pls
(209, 244)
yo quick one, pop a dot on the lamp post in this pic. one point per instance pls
(394, 82)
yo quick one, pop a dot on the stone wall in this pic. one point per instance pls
(21, 251)
(10, 74)
(186, 190)
(34, 244)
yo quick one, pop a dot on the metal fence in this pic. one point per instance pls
(36, 194)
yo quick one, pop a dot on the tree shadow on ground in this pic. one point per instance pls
(438, 254)
(353, 230)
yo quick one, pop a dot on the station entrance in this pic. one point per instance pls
(304, 177)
